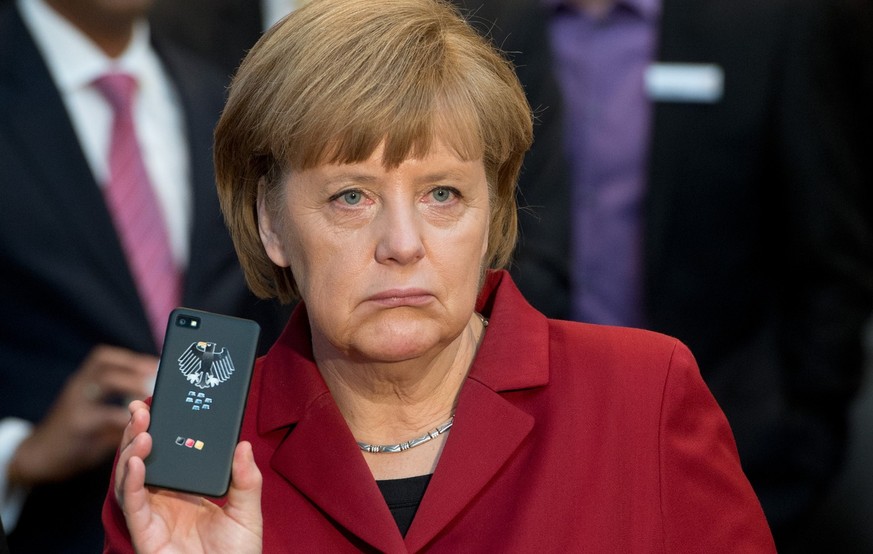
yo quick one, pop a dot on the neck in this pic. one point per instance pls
(111, 32)
(389, 402)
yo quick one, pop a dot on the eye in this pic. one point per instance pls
(443, 194)
(350, 197)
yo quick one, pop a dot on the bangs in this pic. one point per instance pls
(405, 129)
(405, 93)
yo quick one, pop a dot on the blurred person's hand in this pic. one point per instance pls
(161, 520)
(85, 424)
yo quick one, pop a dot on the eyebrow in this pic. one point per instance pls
(449, 175)
(349, 176)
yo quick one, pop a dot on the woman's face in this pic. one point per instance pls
(388, 262)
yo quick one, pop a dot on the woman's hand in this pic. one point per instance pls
(161, 520)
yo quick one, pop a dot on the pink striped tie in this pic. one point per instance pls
(135, 210)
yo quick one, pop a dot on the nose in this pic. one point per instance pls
(399, 239)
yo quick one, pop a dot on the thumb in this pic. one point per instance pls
(244, 494)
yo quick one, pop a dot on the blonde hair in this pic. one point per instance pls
(337, 78)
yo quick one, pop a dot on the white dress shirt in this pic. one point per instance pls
(74, 62)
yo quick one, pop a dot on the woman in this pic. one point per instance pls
(367, 161)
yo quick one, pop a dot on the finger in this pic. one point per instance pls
(112, 428)
(113, 375)
(88, 428)
(132, 445)
(117, 385)
(140, 447)
(106, 427)
(137, 423)
(244, 495)
(134, 500)
(109, 417)
(116, 422)
(137, 405)
(104, 358)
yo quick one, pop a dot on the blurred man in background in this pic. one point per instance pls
(108, 219)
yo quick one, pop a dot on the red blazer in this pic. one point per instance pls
(567, 437)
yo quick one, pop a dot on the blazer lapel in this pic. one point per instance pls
(487, 430)
(320, 443)
(350, 495)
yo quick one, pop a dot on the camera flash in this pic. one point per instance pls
(193, 323)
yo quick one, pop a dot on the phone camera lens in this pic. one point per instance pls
(183, 321)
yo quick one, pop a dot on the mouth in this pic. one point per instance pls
(402, 297)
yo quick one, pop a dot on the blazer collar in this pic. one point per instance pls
(512, 356)
(514, 351)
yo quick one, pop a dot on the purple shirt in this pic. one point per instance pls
(600, 63)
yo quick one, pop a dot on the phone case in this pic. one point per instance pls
(199, 399)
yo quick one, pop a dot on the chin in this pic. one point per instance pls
(399, 344)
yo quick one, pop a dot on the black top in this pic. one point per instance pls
(403, 497)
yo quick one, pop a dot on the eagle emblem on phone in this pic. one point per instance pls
(204, 365)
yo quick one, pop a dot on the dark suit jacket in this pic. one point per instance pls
(218, 30)
(567, 437)
(64, 283)
(757, 253)
(4, 548)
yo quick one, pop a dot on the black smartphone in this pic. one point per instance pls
(199, 399)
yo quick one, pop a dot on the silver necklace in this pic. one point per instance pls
(412, 443)
(483, 319)
(429, 436)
